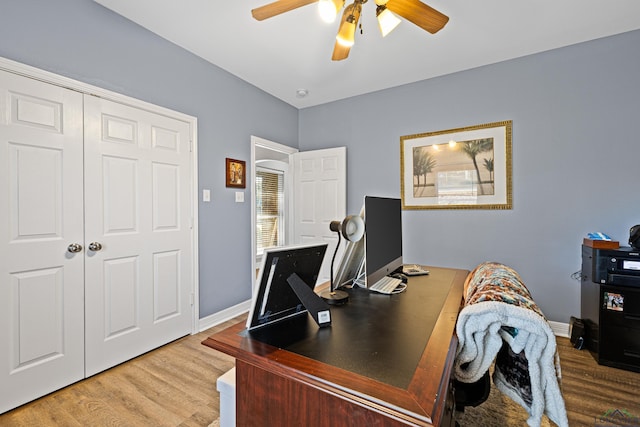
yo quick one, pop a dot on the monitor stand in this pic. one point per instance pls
(338, 297)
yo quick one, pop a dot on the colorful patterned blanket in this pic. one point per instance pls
(500, 323)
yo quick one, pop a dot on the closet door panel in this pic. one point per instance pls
(138, 207)
(41, 282)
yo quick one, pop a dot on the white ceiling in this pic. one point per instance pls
(293, 51)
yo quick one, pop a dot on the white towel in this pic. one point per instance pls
(481, 334)
(501, 322)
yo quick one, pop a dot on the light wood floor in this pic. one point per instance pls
(175, 385)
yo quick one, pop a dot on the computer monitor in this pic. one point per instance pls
(274, 299)
(382, 237)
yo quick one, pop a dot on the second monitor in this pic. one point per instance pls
(383, 237)
(379, 253)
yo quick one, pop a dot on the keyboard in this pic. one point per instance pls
(414, 270)
(388, 285)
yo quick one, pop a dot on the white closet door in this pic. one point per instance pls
(41, 207)
(320, 182)
(138, 208)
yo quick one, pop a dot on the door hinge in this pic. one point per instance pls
(192, 298)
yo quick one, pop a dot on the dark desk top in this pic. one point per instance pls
(416, 329)
(378, 336)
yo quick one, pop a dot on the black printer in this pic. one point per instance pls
(610, 305)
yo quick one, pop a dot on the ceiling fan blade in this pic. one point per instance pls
(340, 52)
(278, 7)
(419, 13)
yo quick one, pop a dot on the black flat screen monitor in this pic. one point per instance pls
(274, 300)
(382, 237)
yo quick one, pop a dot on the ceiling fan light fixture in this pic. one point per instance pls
(387, 21)
(347, 34)
(388, 13)
(328, 9)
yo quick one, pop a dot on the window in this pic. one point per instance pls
(270, 209)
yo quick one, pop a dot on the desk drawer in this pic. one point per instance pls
(621, 345)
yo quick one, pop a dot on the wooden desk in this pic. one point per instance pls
(385, 361)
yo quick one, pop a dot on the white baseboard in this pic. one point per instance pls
(560, 329)
(224, 315)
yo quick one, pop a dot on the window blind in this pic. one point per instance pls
(269, 209)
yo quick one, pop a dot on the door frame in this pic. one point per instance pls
(278, 148)
(65, 82)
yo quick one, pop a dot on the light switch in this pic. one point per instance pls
(239, 196)
(206, 195)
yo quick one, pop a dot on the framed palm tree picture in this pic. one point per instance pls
(464, 168)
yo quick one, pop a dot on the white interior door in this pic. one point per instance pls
(138, 209)
(41, 282)
(320, 181)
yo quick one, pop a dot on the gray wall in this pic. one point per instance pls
(576, 148)
(84, 41)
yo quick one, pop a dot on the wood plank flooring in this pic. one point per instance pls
(590, 390)
(175, 385)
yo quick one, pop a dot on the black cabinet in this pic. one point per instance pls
(610, 305)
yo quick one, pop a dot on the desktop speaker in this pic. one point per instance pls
(634, 237)
(577, 332)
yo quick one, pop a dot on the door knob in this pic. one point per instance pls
(74, 247)
(95, 246)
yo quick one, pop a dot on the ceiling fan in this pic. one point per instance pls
(414, 11)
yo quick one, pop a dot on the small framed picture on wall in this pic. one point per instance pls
(236, 173)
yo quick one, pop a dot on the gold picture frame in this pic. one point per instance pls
(463, 168)
(236, 173)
